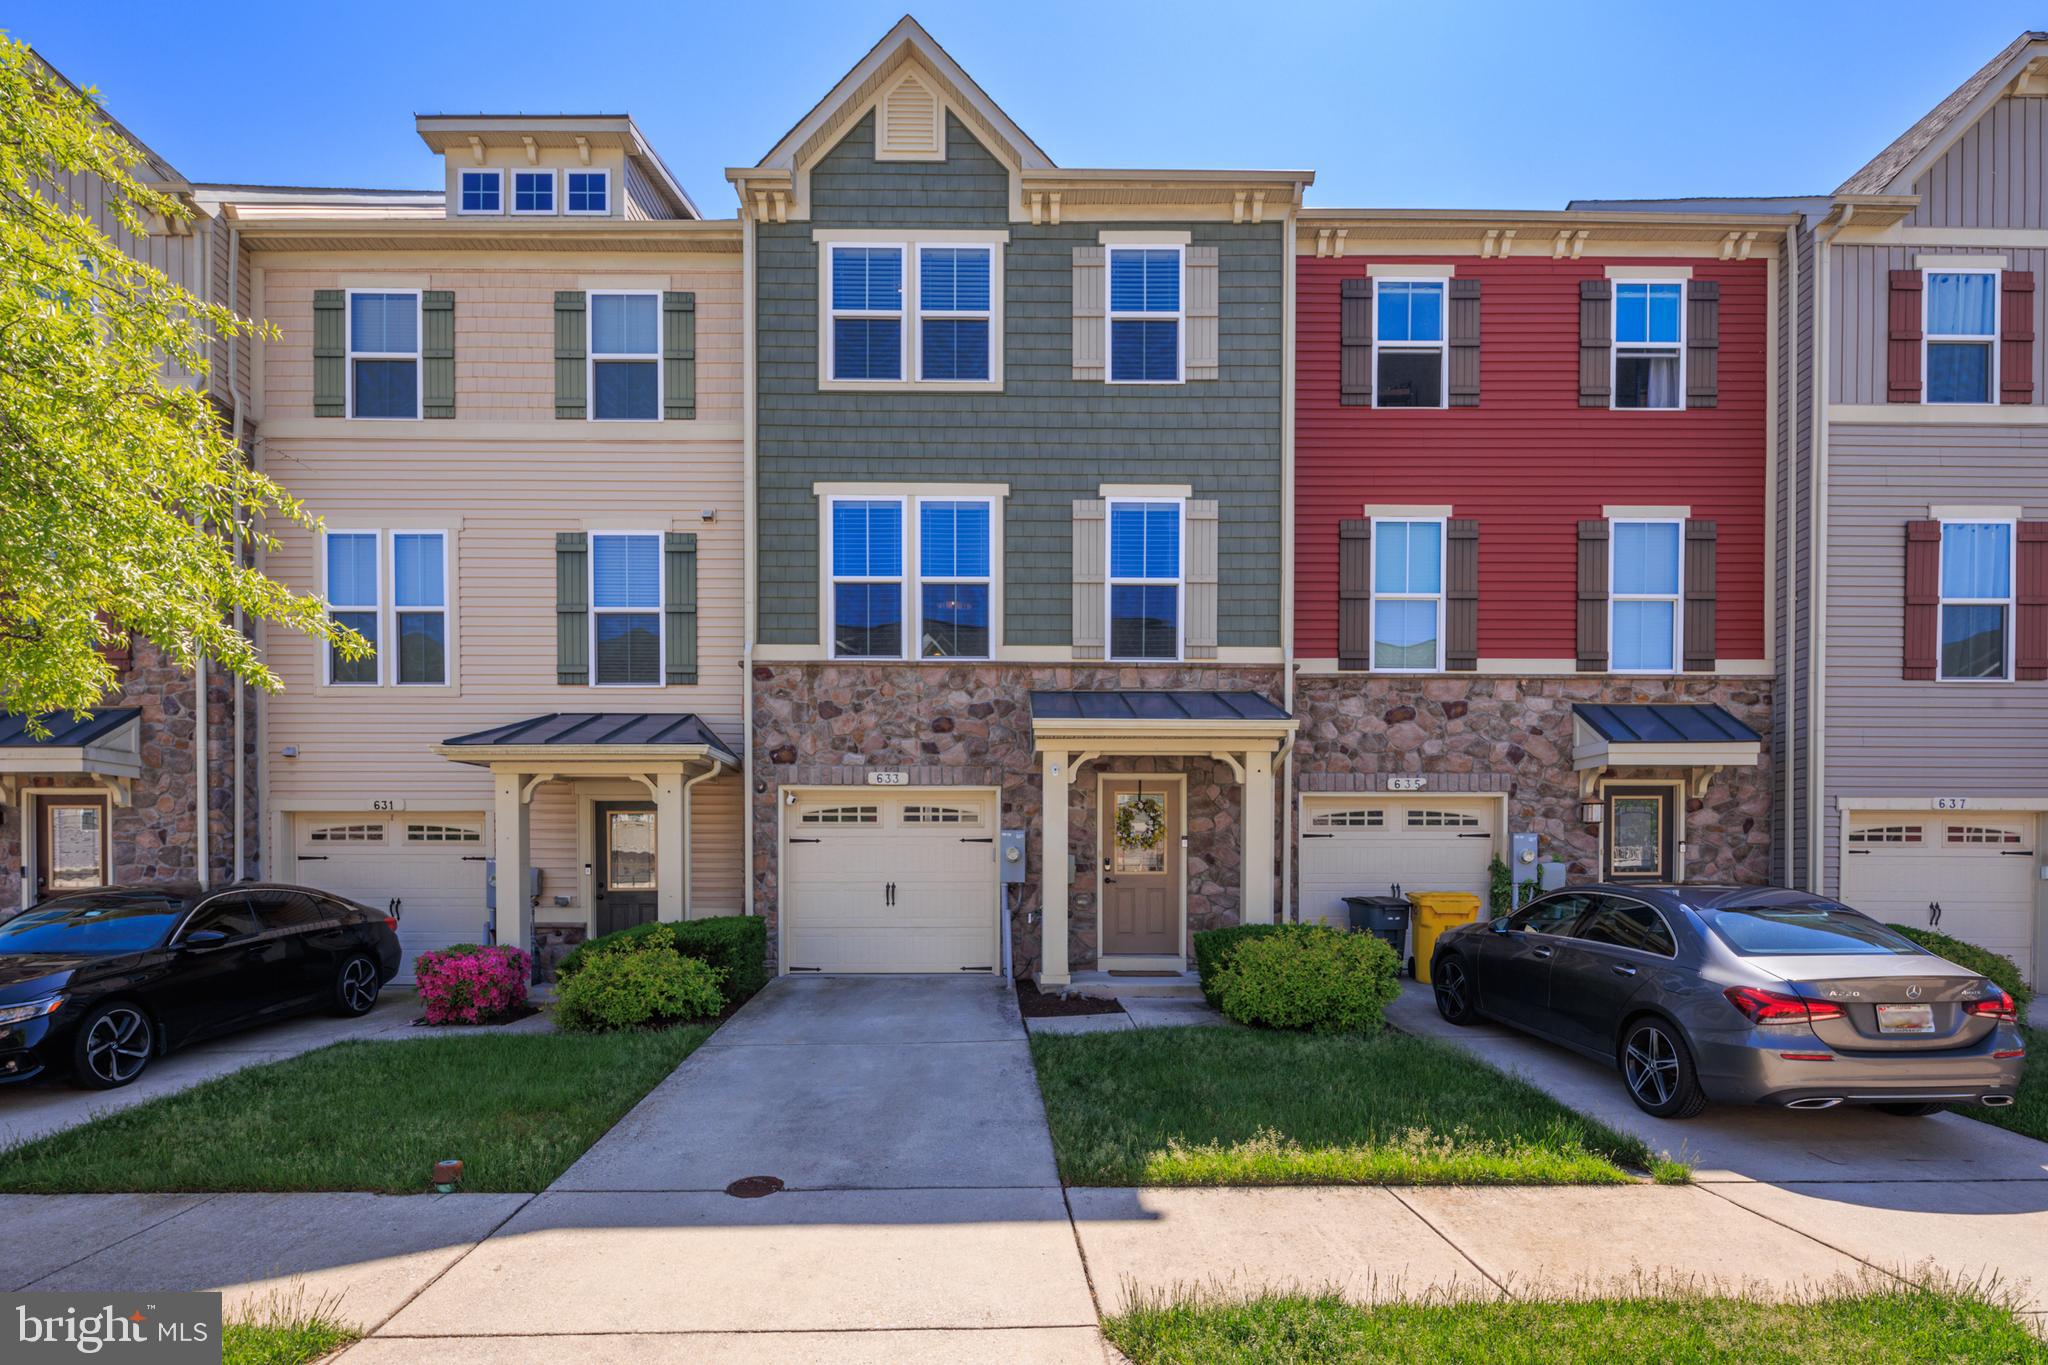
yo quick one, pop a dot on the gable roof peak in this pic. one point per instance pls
(1893, 170)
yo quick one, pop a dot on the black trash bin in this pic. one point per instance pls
(1384, 917)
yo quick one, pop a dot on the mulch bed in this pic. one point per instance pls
(511, 1016)
(1035, 1004)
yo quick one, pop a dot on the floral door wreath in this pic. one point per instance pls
(1140, 822)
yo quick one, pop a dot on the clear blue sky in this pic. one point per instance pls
(1401, 105)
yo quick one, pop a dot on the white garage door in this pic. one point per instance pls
(1365, 845)
(1979, 867)
(890, 883)
(433, 865)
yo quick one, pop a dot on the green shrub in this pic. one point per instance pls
(643, 982)
(737, 945)
(1983, 961)
(1214, 949)
(1310, 976)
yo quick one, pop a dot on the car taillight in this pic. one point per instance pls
(1772, 1007)
(1998, 1006)
(391, 923)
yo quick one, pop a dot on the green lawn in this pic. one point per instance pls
(1233, 1106)
(518, 1109)
(281, 1343)
(2029, 1111)
(1879, 1326)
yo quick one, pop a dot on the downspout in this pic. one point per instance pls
(202, 720)
(1816, 650)
(1286, 911)
(1789, 518)
(750, 312)
(240, 699)
(689, 852)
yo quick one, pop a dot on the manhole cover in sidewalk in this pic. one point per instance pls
(754, 1187)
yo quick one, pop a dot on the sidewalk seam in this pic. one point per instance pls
(436, 1277)
(1445, 1238)
(1802, 1232)
(119, 1241)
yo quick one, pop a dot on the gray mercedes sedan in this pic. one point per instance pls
(1737, 995)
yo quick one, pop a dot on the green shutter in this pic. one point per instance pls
(437, 353)
(572, 608)
(330, 353)
(679, 358)
(571, 376)
(679, 599)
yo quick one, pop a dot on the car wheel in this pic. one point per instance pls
(1657, 1067)
(113, 1045)
(1452, 982)
(357, 986)
(1911, 1111)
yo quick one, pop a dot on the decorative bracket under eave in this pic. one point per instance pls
(1569, 242)
(1078, 762)
(1697, 780)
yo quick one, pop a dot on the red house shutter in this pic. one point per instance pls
(1903, 365)
(2031, 630)
(2016, 338)
(1923, 599)
(1354, 593)
(1354, 370)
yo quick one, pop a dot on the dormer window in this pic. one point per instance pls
(533, 191)
(483, 192)
(590, 192)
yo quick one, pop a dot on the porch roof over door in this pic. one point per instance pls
(107, 743)
(603, 736)
(1661, 736)
(1157, 721)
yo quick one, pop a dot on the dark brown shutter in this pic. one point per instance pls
(1903, 366)
(1464, 337)
(1596, 365)
(2016, 338)
(2031, 630)
(1702, 539)
(119, 652)
(1355, 368)
(1461, 595)
(1593, 594)
(1923, 599)
(1354, 593)
(1703, 344)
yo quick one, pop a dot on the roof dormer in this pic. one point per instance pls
(552, 166)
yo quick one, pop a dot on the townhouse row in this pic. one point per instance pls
(970, 563)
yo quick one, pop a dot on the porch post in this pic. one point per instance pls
(513, 918)
(1052, 868)
(1257, 905)
(671, 845)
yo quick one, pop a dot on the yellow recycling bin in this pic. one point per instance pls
(1436, 911)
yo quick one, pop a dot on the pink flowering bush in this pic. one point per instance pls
(468, 984)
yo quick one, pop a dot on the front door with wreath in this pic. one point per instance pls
(1141, 868)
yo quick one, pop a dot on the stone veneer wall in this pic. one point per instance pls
(970, 725)
(155, 838)
(1514, 735)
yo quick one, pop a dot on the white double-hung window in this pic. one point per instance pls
(625, 357)
(1408, 344)
(953, 312)
(389, 587)
(1976, 601)
(1407, 596)
(954, 577)
(353, 601)
(1643, 594)
(383, 354)
(912, 576)
(1146, 322)
(419, 597)
(625, 609)
(866, 324)
(1961, 336)
(1649, 344)
(867, 578)
(1145, 579)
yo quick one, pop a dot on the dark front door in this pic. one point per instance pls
(71, 844)
(1642, 839)
(626, 871)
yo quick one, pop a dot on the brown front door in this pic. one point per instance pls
(71, 844)
(626, 871)
(1141, 885)
(1641, 838)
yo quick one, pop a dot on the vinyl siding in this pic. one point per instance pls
(1858, 299)
(1529, 462)
(1996, 174)
(1887, 736)
(1052, 439)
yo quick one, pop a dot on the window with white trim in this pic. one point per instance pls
(1351, 819)
(867, 577)
(954, 577)
(941, 815)
(442, 834)
(1886, 834)
(843, 815)
(419, 595)
(384, 354)
(866, 314)
(1146, 321)
(533, 191)
(1145, 578)
(1643, 591)
(353, 601)
(589, 192)
(1409, 355)
(1976, 601)
(954, 312)
(1441, 819)
(625, 357)
(1960, 336)
(1649, 344)
(1407, 596)
(347, 834)
(625, 609)
(481, 192)
(1981, 834)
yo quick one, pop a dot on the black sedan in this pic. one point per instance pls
(101, 982)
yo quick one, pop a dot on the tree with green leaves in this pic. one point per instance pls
(124, 497)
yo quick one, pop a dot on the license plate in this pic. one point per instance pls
(1905, 1018)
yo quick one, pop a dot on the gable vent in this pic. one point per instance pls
(909, 123)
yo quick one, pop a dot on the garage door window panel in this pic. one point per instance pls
(626, 610)
(1976, 601)
(1145, 579)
